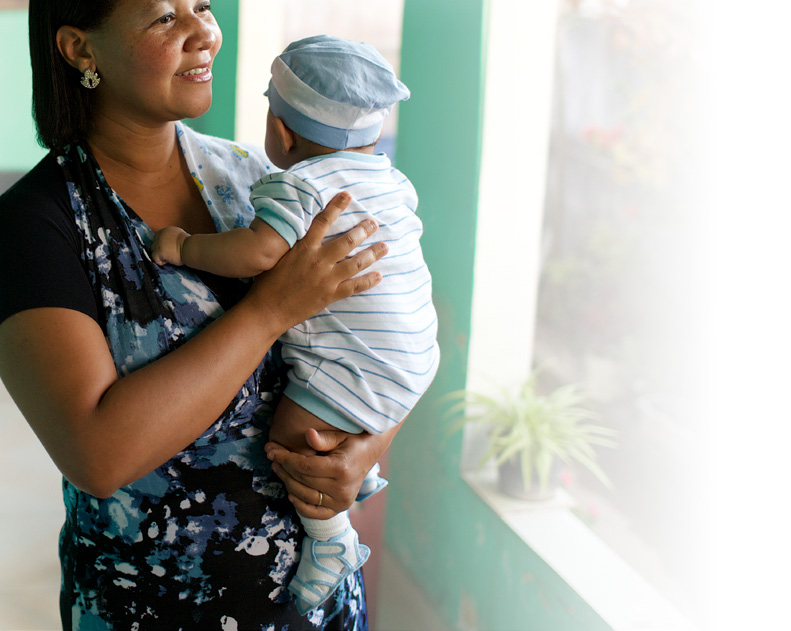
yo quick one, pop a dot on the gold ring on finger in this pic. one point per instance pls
(321, 498)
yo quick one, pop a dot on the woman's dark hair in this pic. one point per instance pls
(61, 106)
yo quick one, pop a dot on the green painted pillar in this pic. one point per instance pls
(470, 564)
(220, 120)
(439, 146)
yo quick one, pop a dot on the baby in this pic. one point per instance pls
(362, 365)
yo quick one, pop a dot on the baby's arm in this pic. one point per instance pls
(238, 253)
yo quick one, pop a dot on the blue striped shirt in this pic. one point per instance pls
(363, 363)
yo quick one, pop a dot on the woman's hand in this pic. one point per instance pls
(337, 471)
(311, 276)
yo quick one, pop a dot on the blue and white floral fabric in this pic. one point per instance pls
(208, 540)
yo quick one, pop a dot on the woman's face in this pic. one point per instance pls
(154, 58)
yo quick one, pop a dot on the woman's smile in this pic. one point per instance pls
(197, 75)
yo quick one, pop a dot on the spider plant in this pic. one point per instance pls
(536, 430)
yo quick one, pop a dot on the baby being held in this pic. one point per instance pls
(362, 365)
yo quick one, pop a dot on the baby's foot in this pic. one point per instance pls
(323, 567)
(371, 484)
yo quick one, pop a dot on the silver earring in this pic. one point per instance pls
(90, 79)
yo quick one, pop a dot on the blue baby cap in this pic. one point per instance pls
(334, 92)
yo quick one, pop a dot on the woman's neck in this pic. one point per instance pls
(134, 150)
(147, 169)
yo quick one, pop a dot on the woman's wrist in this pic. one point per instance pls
(261, 319)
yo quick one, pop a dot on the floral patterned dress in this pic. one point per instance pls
(209, 539)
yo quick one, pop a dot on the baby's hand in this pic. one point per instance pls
(167, 245)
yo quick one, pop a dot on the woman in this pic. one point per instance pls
(151, 388)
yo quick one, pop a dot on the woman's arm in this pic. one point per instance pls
(103, 431)
(337, 472)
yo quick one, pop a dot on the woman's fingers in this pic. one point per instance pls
(361, 261)
(311, 510)
(301, 491)
(308, 501)
(359, 284)
(314, 274)
(321, 223)
(339, 248)
(306, 469)
(336, 251)
(332, 474)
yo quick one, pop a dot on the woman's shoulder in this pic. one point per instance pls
(39, 201)
(40, 245)
(41, 187)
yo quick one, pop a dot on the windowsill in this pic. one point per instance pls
(621, 596)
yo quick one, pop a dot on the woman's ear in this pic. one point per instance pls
(285, 137)
(73, 46)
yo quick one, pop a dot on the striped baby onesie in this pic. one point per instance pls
(363, 363)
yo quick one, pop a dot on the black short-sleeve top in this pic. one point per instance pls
(40, 264)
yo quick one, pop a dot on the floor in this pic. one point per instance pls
(31, 513)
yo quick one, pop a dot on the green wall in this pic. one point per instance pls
(220, 120)
(19, 150)
(472, 566)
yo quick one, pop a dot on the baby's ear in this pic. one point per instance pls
(285, 137)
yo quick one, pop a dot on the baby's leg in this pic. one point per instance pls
(331, 550)
(290, 423)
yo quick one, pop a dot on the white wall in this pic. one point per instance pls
(520, 64)
(519, 71)
(266, 28)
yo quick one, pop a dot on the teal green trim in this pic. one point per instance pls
(476, 570)
(19, 150)
(360, 157)
(309, 401)
(220, 120)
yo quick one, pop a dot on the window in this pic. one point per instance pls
(619, 288)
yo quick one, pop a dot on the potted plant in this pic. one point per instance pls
(531, 435)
